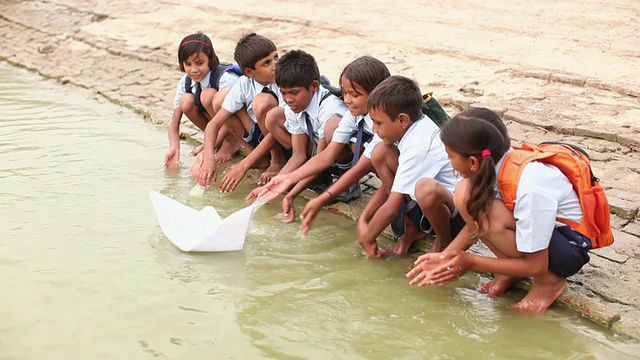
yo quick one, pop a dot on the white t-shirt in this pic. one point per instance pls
(422, 155)
(242, 94)
(319, 112)
(348, 127)
(227, 80)
(543, 194)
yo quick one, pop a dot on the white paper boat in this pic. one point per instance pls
(204, 230)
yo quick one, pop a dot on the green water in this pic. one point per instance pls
(87, 273)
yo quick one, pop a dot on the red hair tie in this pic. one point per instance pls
(486, 153)
(193, 41)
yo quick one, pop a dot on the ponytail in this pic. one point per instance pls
(480, 133)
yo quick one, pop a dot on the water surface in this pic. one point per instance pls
(87, 273)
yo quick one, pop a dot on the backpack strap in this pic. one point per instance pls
(187, 85)
(220, 70)
(511, 171)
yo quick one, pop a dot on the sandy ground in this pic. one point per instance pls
(555, 70)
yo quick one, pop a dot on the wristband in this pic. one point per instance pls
(329, 192)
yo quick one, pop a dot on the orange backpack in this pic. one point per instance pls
(576, 166)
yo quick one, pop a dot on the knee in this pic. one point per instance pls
(218, 98)
(274, 118)
(262, 103)
(187, 102)
(384, 156)
(331, 126)
(428, 192)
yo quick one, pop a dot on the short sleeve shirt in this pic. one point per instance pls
(319, 112)
(242, 94)
(544, 193)
(422, 155)
(227, 80)
(348, 127)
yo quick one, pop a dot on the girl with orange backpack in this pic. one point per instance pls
(528, 240)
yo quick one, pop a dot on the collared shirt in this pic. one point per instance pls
(227, 80)
(422, 155)
(319, 112)
(242, 95)
(544, 194)
(348, 127)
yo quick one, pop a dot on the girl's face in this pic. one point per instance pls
(196, 66)
(465, 165)
(354, 96)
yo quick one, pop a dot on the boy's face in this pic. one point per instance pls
(265, 69)
(299, 97)
(355, 97)
(389, 130)
(196, 66)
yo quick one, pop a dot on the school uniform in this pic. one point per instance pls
(312, 120)
(350, 125)
(227, 80)
(543, 195)
(422, 155)
(241, 96)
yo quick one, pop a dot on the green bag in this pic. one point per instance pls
(432, 108)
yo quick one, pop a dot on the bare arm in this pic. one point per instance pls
(380, 213)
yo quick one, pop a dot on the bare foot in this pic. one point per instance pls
(498, 286)
(412, 233)
(542, 294)
(271, 171)
(197, 150)
(229, 147)
(197, 164)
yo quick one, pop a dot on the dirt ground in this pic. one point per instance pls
(555, 70)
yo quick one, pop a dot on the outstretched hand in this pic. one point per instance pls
(172, 159)
(278, 185)
(309, 213)
(207, 173)
(438, 268)
(288, 210)
(232, 177)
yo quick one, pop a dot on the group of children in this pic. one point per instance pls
(438, 181)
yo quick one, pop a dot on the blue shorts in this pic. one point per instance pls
(254, 137)
(413, 211)
(568, 251)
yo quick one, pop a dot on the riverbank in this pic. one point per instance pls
(548, 82)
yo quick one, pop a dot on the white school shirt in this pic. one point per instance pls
(242, 94)
(318, 112)
(348, 127)
(544, 193)
(422, 155)
(227, 80)
(368, 147)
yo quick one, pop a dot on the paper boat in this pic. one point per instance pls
(204, 230)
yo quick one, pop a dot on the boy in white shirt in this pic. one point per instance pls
(421, 191)
(256, 92)
(308, 108)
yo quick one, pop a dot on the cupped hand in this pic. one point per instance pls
(438, 268)
(172, 159)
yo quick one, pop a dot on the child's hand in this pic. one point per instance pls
(288, 210)
(196, 165)
(254, 194)
(438, 268)
(232, 177)
(172, 159)
(309, 213)
(207, 173)
(275, 187)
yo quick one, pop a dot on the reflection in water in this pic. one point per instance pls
(86, 269)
